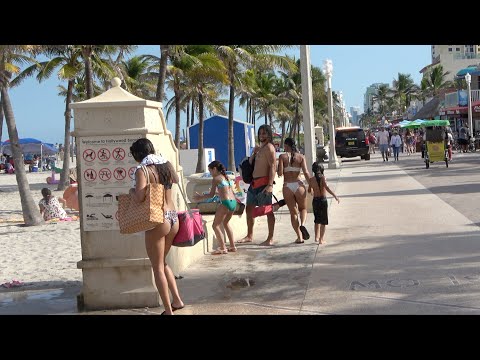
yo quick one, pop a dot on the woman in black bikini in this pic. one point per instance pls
(159, 239)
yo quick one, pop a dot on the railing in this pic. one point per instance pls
(475, 95)
(467, 56)
(451, 99)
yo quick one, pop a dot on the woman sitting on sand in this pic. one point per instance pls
(50, 208)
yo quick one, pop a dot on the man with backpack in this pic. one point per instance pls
(263, 161)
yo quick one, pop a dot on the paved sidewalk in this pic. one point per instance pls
(392, 247)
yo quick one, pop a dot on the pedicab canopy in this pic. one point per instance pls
(428, 123)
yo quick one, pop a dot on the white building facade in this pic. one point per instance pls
(454, 58)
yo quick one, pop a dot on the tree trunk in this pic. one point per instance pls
(1, 120)
(64, 178)
(266, 118)
(252, 119)
(283, 133)
(201, 159)
(231, 104)
(87, 58)
(31, 214)
(177, 118)
(164, 53)
(193, 112)
(298, 133)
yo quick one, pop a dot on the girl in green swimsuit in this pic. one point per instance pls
(225, 210)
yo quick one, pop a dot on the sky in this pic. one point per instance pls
(39, 111)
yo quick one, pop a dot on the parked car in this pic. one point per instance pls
(350, 142)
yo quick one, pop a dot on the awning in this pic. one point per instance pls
(473, 70)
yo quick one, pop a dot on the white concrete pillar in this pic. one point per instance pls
(307, 100)
(116, 270)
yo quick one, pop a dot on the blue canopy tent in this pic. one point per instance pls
(30, 145)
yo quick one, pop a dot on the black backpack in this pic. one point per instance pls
(246, 170)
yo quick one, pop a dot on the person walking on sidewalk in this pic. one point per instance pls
(449, 142)
(294, 191)
(225, 209)
(318, 186)
(158, 240)
(396, 143)
(260, 191)
(383, 137)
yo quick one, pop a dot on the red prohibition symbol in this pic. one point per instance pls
(104, 174)
(131, 172)
(118, 154)
(103, 154)
(119, 173)
(90, 175)
(89, 155)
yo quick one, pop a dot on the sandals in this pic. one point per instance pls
(305, 234)
(232, 249)
(219, 251)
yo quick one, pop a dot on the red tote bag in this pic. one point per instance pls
(191, 229)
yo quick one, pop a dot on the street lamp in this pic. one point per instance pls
(333, 162)
(468, 79)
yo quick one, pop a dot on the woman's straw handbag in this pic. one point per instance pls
(134, 216)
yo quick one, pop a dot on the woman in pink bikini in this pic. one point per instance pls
(294, 191)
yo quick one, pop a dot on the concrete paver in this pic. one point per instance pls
(393, 247)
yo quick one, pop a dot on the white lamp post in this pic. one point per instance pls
(468, 79)
(307, 100)
(332, 160)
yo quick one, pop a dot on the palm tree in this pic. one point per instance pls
(434, 80)
(9, 56)
(403, 88)
(137, 79)
(67, 59)
(95, 65)
(233, 57)
(164, 54)
(382, 95)
(116, 64)
(246, 92)
(209, 69)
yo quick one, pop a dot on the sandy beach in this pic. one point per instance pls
(42, 256)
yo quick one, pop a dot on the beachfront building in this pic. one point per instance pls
(454, 58)
(369, 102)
(355, 113)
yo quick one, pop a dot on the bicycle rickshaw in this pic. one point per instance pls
(435, 145)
